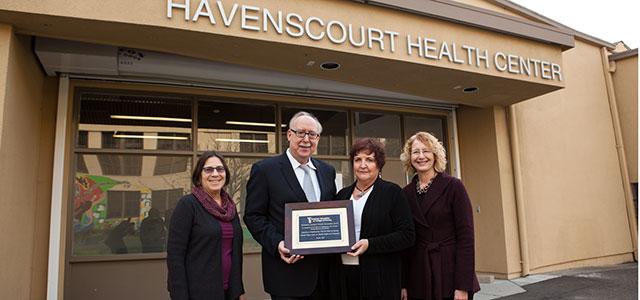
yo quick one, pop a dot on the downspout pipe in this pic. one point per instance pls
(622, 158)
(517, 182)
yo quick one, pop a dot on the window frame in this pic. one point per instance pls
(194, 96)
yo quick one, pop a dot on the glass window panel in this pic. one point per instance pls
(111, 140)
(112, 213)
(170, 164)
(237, 189)
(165, 200)
(385, 127)
(344, 176)
(173, 144)
(394, 172)
(114, 121)
(335, 130)
(120, 164)
(80, 164)
(115, 204)
(236, 127)
(432, 125)
(254, 147)
(131, 204)
(83, 139)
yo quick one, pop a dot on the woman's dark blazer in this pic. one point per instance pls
(386, 223)
(194, 257)
(442, 259)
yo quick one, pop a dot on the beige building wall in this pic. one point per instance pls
(625, 82)
(487, 173)
(572, 186)
(27, 123)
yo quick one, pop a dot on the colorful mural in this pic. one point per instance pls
(89, 202)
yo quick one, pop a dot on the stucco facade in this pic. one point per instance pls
(548, 154)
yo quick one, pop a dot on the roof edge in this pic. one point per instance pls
(465, 14)
(530, 13)
(623, 55)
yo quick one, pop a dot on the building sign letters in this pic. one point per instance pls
(252, 18)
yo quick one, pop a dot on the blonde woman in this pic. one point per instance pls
(441, 263)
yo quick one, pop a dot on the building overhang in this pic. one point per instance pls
(458, 12)
(429, 57)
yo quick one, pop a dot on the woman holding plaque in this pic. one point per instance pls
(204, 250)
(441, 263)
(372, 270)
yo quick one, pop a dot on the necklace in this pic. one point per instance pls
(424, 190)
(363, 191)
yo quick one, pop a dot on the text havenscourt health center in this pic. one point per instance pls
(258, 19)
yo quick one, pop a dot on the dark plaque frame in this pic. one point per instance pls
(345, 205)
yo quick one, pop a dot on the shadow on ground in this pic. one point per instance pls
(606, 284)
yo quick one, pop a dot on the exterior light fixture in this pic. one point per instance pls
(470, 90)
(330, 65)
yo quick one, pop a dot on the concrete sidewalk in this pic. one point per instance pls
(610, 282)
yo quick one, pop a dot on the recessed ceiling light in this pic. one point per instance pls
(330, 65)
(471, 89)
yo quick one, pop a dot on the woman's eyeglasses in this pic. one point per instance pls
(417, 152)
(209, 170)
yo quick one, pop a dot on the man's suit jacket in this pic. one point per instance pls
(273, 183)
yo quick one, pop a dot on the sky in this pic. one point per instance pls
(610, 21)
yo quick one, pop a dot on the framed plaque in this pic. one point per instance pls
(319, 227)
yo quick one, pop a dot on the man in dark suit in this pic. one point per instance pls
(291, 177)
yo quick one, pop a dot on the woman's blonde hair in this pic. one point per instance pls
(433, 144)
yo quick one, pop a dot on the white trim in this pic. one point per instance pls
(56, 223)
(456, 147)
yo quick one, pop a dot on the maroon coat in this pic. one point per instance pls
(442, 259)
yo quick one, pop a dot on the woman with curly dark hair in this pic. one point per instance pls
(383, 228)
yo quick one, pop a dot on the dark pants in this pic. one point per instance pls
(227, 296)
(352, 284)
(317, 295)
(312, 297)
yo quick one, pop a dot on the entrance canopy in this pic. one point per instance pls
(496, 60)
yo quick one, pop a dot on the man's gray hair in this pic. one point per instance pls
(305, 114)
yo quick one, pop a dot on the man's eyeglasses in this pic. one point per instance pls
(301, 134)
(209, 170)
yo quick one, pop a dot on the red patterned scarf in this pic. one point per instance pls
(224, 213)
